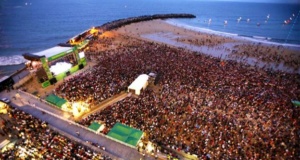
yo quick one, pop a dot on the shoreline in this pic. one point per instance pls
(220, 40)
(216, 35)
(18, 60)
(266, 56)
(254, 39)
(127, 21)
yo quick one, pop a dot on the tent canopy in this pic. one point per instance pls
(140, 82)
(52, 51)
(55, 100)
(125, 134)
(95, 126)
(47, 53)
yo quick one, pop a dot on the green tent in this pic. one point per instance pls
(60, 103)
(55, 100)
(95, 126)
(126, 134)
(51, 99)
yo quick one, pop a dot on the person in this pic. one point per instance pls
(43, 139)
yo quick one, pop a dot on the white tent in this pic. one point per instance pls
(138, 84)
(53, 51)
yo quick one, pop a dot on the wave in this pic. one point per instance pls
(11, 60)
(262, 38)
(258, 39)
(272, 41)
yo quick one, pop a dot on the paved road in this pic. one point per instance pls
(59, 120)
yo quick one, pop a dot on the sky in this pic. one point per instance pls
(265, 1)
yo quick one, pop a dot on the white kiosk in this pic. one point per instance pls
(139, 84)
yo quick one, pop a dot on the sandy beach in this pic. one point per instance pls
(263, 55)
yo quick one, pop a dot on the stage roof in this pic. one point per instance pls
(52, 51)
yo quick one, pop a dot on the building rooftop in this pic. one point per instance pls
(52, 51)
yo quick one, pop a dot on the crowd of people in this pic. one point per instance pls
(270, 54)
(262, 52)
(203, 105)
(35, 140)
(206, 40)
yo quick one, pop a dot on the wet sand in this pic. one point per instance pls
(263, 55)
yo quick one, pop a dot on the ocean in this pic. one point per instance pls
(28, 26)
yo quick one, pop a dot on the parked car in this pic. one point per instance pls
(6, 100)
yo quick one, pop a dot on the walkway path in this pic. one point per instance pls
(105, 104)
(60, 120)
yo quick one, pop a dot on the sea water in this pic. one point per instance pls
(28, 26)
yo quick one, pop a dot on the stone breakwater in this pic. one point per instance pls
(121, 22)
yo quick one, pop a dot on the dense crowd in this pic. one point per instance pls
(203, 105)
(35, 140)
(266, 53)
(270, 54)
(206, 40)
(102, 81)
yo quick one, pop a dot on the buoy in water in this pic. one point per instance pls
(239, 19)
(287, 21)
(225, 22)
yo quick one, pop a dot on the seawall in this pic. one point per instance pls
(121, 22)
